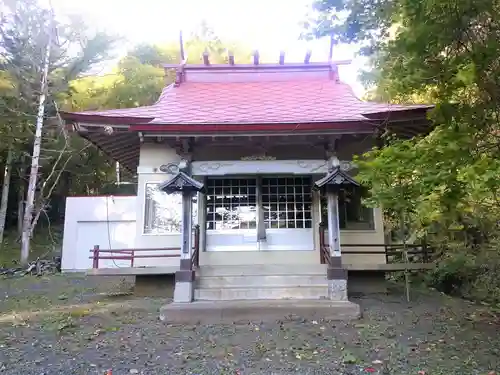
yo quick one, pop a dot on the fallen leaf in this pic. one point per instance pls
(349, 358)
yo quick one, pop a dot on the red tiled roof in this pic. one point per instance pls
(317, 99)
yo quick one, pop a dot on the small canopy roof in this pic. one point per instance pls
(181, 182)
(335, 179)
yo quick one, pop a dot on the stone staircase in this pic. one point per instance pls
(261, 282)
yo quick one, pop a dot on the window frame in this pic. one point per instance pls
(207, 194)
(145, 199)
(290, 190)
(256, 177)
(372, 225)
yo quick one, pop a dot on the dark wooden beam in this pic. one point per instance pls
(256, 57)
(282, 57)
(312, 65)
(308, 57)
(181, 44)
(206, 61)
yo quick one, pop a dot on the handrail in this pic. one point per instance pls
(128, 254)
(389, 249)
(324, 253)
(195, 257)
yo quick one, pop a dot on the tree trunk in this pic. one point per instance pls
(20, 206)
(5, 194)
(30, 196)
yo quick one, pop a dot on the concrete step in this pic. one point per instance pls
(261, 293)
(262, 269)
(209, 312)
(261, 280)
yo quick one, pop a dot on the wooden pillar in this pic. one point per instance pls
(335, 180)
(335, 274)
(332, 199)
(261, 226)
(202, 218)
(187, 225)
(333, 224)
(184, 278)
(187, 186)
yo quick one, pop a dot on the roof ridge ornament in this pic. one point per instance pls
(180, 74)
(307, 58)
(282, 58)
(256, 57)
(205, 57)
(334, 72)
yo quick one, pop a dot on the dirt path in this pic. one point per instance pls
(75, 325)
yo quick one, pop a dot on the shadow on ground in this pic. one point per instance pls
(71, 324)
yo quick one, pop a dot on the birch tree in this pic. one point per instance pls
(41, 56)
(5, 193)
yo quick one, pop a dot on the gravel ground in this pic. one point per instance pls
(77, 325)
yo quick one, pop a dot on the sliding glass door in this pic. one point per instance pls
(268, 213)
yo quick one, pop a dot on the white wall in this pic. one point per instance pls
(152, 157)
(105, 221)
(111, 223)
(155, 155)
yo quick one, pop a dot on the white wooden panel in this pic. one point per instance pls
(108, 221)
(288, 239)
(96, 212)
(121, 235)
(238, 240)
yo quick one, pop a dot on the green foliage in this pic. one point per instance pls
(24, 36)
(445, 185)
(136, 80)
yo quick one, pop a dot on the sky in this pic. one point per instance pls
(269, 26)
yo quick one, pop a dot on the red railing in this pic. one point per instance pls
(131, 254)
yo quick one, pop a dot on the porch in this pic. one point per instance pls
(398, 257)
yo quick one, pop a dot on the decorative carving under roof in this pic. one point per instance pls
(181, 182)
(336, 178)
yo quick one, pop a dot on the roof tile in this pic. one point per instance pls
(255, 102)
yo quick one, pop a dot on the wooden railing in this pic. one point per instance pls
(324, 249)
(132, 254)
(393, 252)
(195, 257)
(129, 254)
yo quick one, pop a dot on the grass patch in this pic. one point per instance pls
(61, 323)
(44, 242)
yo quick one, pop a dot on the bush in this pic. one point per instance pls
(469, 274)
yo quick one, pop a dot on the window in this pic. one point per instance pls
(352, 214)
(287, 202)
(231, 203)
(163, 212)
